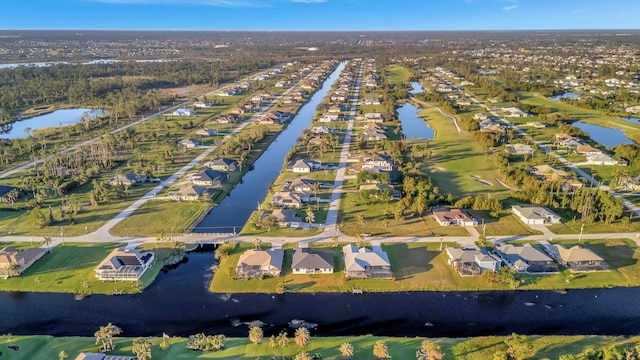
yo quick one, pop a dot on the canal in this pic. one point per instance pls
(234, 211)
(179, 304)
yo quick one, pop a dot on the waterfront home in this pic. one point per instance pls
(519, 149)
(227, 119)
(13, 261)
(525, 258)
(375, 134)
(602, 159)
(544, 172)
(472, 262)
(364, 263)
(513, 111)
(304, 166)
(183, 112)
(290, 199)
(446, 216)
(535, 215)
(284, 217)
(305, 262)
(127, 179)
(374, 117)
(209, 177)
(588, 150)
(206, 132)
(257, 263)
(577, 258)
(202, 104)
(191, 193)
(223, 164)
(300, 185)
(100, 356)
(124, 264)
(323, 130)
(189, 143)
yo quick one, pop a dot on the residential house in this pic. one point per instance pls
(124, 264)
(588, 150)
(535, 215)
(329, 117)
(305, 262)
(472, 262)
(381, 162)
(364, 263)
(127, 179)
(544, 172)
(519, 149)
(202, 104)
(101, 356)
(300, 185)
(227, 119)
(209, 177)
(191, 193)
(206, 132)
(446, 216)
(375, 134)
(577, 258)
(374, 117)
(257, 263)
(373, 101)
(444, 88)
(273, 117)
(189, 143)
(480, 116)
(183, 112)
(13, 261)
(375, 189)
(534, 124)
(304, 166)
(322, 130)
(334, 109)
(526, 258)
(513, 111)
(290, 199)
(223, 164)
(284, 217)
(602, 159)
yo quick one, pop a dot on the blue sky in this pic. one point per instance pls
(320, 14)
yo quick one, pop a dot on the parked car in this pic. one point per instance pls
(365, 234)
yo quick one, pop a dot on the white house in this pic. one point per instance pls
(535, 215)
(183, 112)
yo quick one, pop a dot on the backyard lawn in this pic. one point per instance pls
(161, 216)
(69, 268)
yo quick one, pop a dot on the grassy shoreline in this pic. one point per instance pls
(477, 348)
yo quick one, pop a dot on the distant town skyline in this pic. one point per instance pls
(319, 14)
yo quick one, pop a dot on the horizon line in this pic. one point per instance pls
(321, 30)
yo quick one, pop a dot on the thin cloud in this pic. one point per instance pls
(218, 3)
(509, 8)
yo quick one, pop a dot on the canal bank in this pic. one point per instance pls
(234, 211)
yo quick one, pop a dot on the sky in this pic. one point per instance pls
(319, 14)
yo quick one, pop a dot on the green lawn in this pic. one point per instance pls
(505, 224)
(398, 75)
(161, 216)
(70, 269)
(480, 348)
(621, 256)
(458, 162)
(573, 226)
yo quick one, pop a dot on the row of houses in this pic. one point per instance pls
(593, 155)
(359, 263)
(528, 214)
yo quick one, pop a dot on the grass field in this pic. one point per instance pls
(480, 348)
(70, 269)
(458, 162)
(505, 224)
(398, 75)
(161, 216)
(573, 226)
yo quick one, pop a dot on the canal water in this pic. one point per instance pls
(606, 136)
(416, 88)
(234, 211)
(179, 304)
(62, 117)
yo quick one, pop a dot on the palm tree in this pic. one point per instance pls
(380, 350)
(282, 339)
(105, 335)
(273, 342)
(302, 336)
(62, 355)
(310, 216)
(302, 356)
(346, 349)
(47, 241)
(13, 269)
(429, 351)
(255, 335)
(256, 243)
(142, 348)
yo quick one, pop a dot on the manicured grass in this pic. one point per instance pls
(573, 226)
(161, 216)
(70, 269)
(480, 348)
(621, 256)
(456, 158)
(398, 75)
(505, 224)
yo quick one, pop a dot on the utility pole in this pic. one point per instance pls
(62, 234)
(234, 234)
(172, 234)
(581, 230)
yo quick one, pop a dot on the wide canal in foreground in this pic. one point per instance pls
(179, 303)
(234, 211)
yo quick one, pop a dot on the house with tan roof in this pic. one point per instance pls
(578, 258)
(257, 263)
(547, 172)
(472, 262)
(364, 263)
(14, 262)
(526, 258)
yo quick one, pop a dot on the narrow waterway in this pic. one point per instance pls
(234, 211)
(413, 127)
(179, 304)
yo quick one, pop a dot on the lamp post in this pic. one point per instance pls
(581, 230)
(62, 234)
